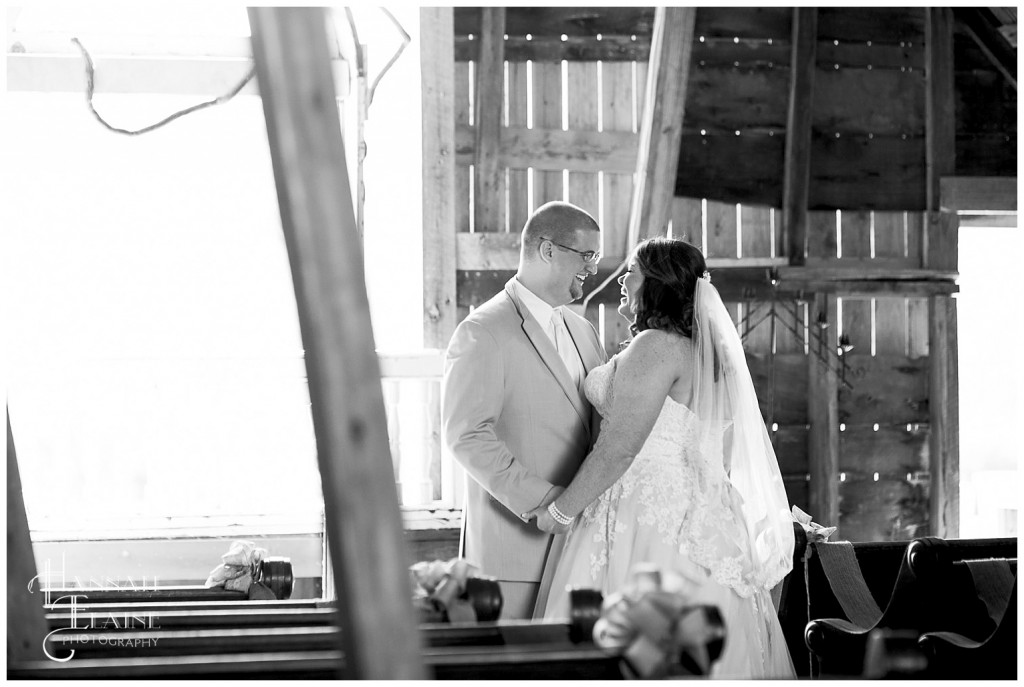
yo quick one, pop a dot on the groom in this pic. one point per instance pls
(513, 410)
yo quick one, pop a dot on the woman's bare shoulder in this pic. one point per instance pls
(658, 347)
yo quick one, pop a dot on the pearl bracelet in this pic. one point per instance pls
(558, 516)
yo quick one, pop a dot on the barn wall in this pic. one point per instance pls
(867, 161)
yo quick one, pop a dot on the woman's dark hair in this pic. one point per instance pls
(671, 268)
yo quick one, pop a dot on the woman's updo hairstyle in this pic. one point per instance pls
(670, 268)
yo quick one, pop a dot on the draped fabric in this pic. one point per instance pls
(732, 435)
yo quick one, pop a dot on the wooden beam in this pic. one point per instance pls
(475, 286)
(940, 246)
(823, 416)
(986, 221)
(313, 188)
(797, 170)
(944, 420)
(172, 76)
(661, 129)
(981, 27)
(103, 45)
(489, 186)
(940, 103)
(437, 69)
(26, 622)
(555, 150)
(862, 270)
(942, 231)
(978, 194)
(553, 49)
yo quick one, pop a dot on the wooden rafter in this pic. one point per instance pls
(797, 170)
(983, 28)
(364, 525)
(661, 129)
(437, 67)
(489, 184)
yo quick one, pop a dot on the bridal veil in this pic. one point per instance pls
(733, 432)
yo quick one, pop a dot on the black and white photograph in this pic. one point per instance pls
(529, 342)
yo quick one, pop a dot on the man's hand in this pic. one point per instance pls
(545, 522)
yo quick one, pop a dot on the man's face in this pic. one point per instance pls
(569, 269)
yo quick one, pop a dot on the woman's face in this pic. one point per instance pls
(630, 282)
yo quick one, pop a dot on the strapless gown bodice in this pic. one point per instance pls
(676, 509)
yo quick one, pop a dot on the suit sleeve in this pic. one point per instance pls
(471, 401)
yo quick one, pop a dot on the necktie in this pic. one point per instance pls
(566, 348)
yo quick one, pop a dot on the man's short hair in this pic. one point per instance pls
(557, 221)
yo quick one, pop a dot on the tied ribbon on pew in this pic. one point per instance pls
(439, 587)
(815, 533)
(661, 633)
(239, 569)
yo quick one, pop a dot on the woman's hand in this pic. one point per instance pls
(546, 523)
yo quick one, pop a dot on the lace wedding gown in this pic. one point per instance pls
(675, 511)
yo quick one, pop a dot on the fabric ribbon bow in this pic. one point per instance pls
(438, 586)
(815, 532)
(662, 634)
(238, 571)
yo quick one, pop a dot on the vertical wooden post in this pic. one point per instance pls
(437, 65)
(823, 415)
(26, 624)
(489, 186)
(379, 637)
(944, 406)
(797, 171)
(661, 128)
(940, 252)
(940, 102)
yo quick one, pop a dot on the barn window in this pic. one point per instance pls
(157, 386)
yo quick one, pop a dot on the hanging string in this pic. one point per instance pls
(90, 74)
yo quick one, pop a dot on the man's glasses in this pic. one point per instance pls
(591, 256)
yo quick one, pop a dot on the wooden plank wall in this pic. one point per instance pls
(867, 201)
(568, 133)
(884, 418)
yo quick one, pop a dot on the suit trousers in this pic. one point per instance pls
(518, 599)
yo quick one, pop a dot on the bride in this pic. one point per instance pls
(683, 475)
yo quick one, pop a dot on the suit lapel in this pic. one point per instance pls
(586, 345)
(546, 351)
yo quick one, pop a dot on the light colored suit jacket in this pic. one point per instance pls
(512, 416)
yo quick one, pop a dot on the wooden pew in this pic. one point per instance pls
(193, 630)
(966, 655)
(488, 663)
(920, 583)
(494, 650)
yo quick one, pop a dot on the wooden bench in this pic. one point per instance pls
(192, 630)
(978, 655)
(198, 622)
(206, 636)
(487, 663)
(494, 650)
(921, 582)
